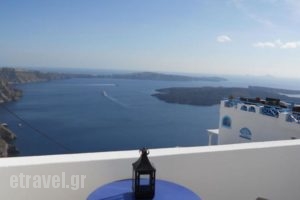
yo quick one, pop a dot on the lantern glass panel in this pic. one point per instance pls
(145, 179)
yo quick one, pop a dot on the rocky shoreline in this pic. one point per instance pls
(7, 148)
(9, 78)
(8, 93)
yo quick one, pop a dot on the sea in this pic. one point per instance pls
(94, 115)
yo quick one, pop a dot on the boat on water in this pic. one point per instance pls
(104, 93)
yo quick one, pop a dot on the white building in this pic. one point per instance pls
(250, 120)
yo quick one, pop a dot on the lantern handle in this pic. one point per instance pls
(144, 151)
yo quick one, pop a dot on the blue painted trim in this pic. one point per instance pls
(244, 108)
(245, 133)
(226, 118)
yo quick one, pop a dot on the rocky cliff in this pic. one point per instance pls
(6, 146)
(18, 75)
(9, 77)
(8, 92)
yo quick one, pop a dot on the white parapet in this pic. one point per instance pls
(235, 172)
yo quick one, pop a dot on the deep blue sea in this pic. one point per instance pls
(89, 115)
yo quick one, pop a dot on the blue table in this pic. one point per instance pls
(121, 190)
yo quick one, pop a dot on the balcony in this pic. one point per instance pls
(239, 171)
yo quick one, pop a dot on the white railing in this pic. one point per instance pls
(267, 110)
(293, 117)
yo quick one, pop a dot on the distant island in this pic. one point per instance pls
(161, 77)
(208, 96)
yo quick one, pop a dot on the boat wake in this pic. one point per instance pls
(114, 100)
(105, 84)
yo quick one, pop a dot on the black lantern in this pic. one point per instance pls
(143, 177)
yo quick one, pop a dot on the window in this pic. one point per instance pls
(226, 122)
(245, 133)
(252, 109)
(244, 108)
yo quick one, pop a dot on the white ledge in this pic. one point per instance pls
(111, 155)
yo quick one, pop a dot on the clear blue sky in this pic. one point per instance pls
(256, 37)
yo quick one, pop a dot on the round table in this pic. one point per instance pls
(121, 190)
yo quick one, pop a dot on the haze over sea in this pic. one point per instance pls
(88, 115)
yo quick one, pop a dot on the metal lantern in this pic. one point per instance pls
(143, 177)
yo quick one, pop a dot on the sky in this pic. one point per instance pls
(234, 37)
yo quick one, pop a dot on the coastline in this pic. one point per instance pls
(7, 149)
(209, 96)
(20, 79)
(9, 77)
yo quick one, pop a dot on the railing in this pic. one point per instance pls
(195, 169)
(268, 110)
(231, 103)
(293, 117)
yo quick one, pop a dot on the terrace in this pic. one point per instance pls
(265, 107)
(240, 171)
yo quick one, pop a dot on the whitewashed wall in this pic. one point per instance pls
(262, 127)
(229, 172)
